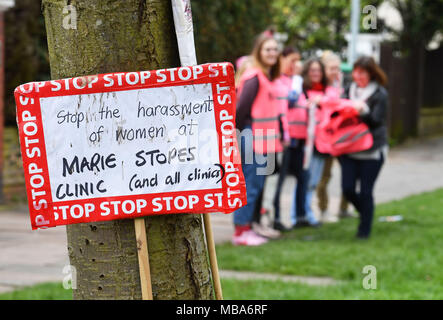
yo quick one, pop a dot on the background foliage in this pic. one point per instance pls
(225, 30)
(26, 51)
(422, 19)
(316, 24)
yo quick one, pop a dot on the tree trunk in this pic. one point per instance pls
(117, 36)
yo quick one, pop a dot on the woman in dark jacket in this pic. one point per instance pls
(371, 100)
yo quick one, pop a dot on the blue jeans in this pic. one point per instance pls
(254, 183)
(313, 178)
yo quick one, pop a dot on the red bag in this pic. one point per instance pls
(342, 130)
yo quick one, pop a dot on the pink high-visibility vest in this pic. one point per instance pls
(298, 116)
(265, 113)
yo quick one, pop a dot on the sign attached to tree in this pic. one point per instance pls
(130, 144)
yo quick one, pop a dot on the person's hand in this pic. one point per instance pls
(359, 105)
(286, 143)
(315, 99)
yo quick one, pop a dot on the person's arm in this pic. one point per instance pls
(378, 105)
(284, 129)
(245, 101)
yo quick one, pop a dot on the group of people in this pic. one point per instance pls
(281, 103)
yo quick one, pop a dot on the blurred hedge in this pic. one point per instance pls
(224, 30)
(26, 53)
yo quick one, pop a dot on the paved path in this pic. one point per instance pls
(413, 168)
(28, 257)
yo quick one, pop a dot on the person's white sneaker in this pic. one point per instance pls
(264, 231)
(326, 217)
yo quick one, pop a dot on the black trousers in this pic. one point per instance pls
(293, 164)
(365, 172)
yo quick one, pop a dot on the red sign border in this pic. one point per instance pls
(45, 213)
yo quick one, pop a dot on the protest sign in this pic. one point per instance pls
(130, 144)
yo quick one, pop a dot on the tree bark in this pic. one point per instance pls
(120, 36)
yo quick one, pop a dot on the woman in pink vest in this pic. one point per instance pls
(289, 59)
(285, 94)
(315, 89)
(258, 114)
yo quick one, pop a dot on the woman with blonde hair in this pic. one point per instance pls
(242, 64)
(332, 64)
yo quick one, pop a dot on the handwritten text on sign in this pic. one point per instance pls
(124, 145)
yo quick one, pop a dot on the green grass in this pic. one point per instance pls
(407, 254)
(278, 290)
(45, 291)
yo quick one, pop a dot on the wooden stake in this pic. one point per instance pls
(143, 258)
(185, 40)
(212, 256)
